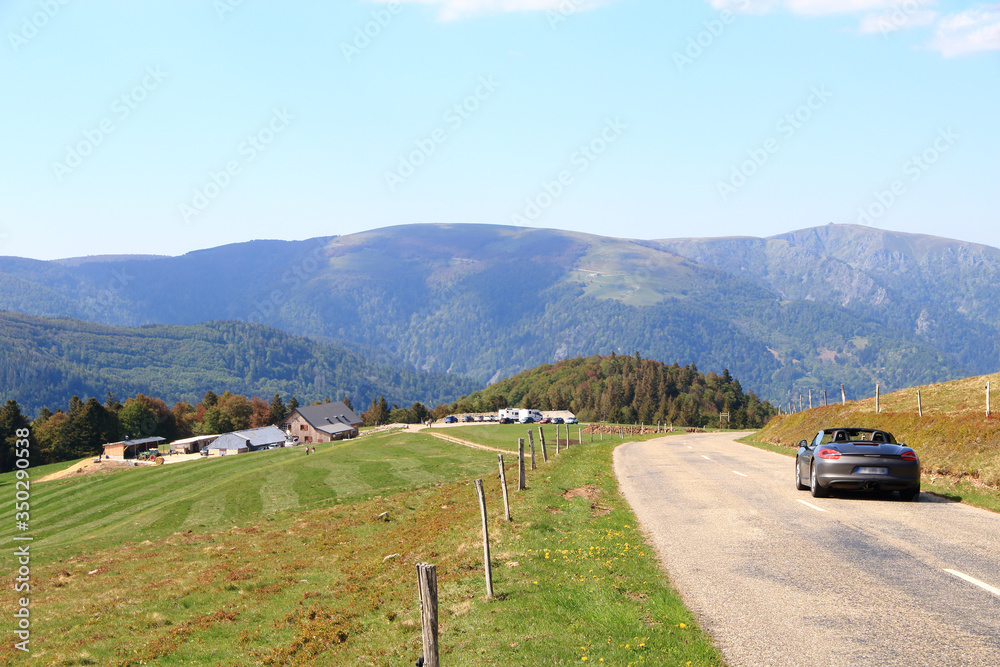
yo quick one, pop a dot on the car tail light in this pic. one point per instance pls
(827, 453)
(909, 456)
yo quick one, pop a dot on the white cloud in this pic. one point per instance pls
(958, 34)
(971, 31)
(452, 10)
(903, 17)
(808, 7)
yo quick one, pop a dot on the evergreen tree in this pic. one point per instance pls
(278, 411)
(210, 400)
(377, 414)
(112, 403)
(11, 421)
(89, 426)
(419, 413)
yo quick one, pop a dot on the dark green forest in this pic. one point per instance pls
(44, 362)
(625, 389)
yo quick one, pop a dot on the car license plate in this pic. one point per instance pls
(873, 471)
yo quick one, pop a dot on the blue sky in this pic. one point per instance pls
(167, 126)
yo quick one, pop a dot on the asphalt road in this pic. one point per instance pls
(781, 578)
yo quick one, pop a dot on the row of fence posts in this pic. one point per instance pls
(427, 574)
(878, 401)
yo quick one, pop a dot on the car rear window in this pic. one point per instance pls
(858, 435)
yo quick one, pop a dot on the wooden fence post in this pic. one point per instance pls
(987, 400)
(579, 434)
(920, 407)
(427, 588)
(810, 399)
(878, 391)
(521, 482)
(541, 437)
(843, 395)
(531, 447)
(486, 539)
(503, 485)
(826, 401)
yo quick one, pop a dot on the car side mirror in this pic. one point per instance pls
(804, 444)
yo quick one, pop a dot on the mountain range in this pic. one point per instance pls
(807, 310)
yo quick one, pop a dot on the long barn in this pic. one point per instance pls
(130, 449)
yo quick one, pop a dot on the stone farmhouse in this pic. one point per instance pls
(321, 423)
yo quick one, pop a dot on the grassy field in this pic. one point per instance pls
(153, 502)
(959, 447)
(278, 558)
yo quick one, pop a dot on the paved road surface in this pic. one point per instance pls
(781, 578)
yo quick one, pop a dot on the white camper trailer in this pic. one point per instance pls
(529, 416)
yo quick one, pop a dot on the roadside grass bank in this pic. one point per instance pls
(959, 451)
(296, 567)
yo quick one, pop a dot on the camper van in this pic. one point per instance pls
(508, 415)
(529, 416)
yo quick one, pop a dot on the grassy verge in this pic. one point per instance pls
(959, 490)
(317, 581)
(587, 587)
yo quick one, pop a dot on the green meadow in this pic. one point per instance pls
(279, 558)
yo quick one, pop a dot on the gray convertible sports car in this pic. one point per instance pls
(856, 458)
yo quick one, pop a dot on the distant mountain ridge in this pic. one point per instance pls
(806, 310)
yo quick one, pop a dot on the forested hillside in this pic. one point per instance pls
(806, 310)
(626, 389)
(43, 362)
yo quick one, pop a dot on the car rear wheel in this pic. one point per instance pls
(909, 494)
(799, 486)
(817, 490)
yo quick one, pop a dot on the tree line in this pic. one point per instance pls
(84, 427)
(625, 389)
